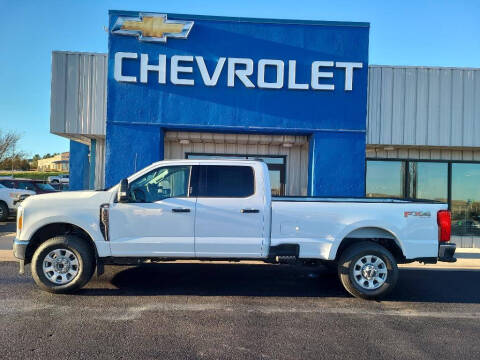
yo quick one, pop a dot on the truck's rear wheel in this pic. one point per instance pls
(368, 270)
(63, 264)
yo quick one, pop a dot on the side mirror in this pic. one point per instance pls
(122, 195)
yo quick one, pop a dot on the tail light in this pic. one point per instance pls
(444, 225)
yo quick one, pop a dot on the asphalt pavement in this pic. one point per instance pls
(239, 311)
(7, 234)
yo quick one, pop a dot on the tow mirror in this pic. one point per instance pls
(122, 195)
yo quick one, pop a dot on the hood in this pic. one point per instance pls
(18, 191)
(68, 198)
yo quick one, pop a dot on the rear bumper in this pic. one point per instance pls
(446, 252)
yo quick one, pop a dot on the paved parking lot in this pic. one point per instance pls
(231, 311)
(7, 234)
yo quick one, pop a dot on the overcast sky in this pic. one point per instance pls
(407, 32)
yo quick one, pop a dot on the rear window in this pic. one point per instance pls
(225, 181)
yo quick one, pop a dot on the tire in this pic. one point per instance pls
(3, 211)
(58, 255)
(367, 270)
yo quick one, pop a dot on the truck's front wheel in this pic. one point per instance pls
(63, 264)
(368, 270)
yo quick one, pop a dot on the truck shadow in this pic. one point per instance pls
(197, 279)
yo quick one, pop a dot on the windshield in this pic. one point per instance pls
(2, 187)
(46, 187)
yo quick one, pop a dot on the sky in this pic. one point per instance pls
(405, 32)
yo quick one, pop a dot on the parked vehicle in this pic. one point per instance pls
(222, 209)
(37, 186)
(10, 199)
(59, 179)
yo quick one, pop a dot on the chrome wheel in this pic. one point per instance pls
(60, 266)
(370, 272)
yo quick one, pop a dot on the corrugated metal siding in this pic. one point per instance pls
(423, 106)
(244, 144)
(78, 94)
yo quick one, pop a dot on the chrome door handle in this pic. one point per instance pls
(249, 211)
(180, 210)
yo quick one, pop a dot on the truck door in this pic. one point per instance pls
(229, 219)
(159, 219)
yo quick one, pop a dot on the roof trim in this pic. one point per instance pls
(423, 67)
(248, 20)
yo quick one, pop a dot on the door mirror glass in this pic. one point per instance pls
(122, 195)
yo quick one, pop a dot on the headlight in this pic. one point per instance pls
(14, 195)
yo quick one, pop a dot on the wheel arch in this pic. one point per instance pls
(50, 230)
(379, 235)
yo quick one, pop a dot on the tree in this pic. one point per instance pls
(8, 142)
(34, 163)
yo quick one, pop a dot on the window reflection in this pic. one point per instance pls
(385, 179)
(465, 204)
(428, 180)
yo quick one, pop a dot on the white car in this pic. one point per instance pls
(60, 179)
(223, 209)
(10, 199)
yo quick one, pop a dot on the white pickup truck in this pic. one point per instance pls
(223, 210)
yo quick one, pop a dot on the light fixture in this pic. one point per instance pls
(388, 148)
(184, 142)
(287, 145)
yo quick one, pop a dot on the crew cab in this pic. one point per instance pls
(223, 210)
(10, 200)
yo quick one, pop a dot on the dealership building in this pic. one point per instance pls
(300, 95)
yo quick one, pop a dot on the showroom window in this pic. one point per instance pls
(465, 203)
(428, 180)
(385, 179)
(457, 183)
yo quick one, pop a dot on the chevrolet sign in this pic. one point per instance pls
(240, 69)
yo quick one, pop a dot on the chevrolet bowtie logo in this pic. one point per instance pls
(152, 27)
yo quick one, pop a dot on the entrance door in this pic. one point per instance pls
(159, 219)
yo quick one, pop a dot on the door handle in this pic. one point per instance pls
(249, 211)
(181, 210)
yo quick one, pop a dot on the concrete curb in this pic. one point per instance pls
(7, 255)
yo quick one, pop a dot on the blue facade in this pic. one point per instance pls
(79, 166)
(138, 113)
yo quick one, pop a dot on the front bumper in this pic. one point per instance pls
(19, 250)
(446, 252)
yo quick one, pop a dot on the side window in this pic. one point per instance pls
(226, 181)
(159, 184)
